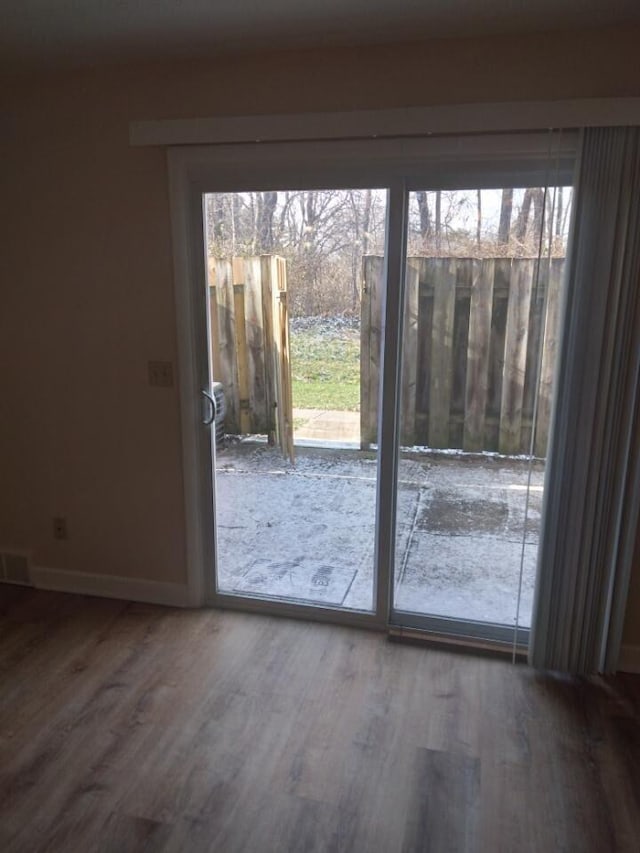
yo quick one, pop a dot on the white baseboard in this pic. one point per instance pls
(629, 659)
(108, 586)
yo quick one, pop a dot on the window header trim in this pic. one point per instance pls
(378, 124)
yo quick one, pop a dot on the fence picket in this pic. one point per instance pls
(423, 372)
(214, 324)
(501, 285)
(441, 366)
(241, 346)
(549, 352)
(516, 341)
(478, 354)
(464, 277)
(410, 355)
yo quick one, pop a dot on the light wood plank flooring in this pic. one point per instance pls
(126, 727)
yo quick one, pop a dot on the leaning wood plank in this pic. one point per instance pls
(375, 345)
(241, 347)
(285, 361)
(280, 391)
(267, 274)
(410, 354)
(365, 342)
(441, 367)
(516, 338)
(226, 351)
(254, 324)
(370, 340)
(549, 355)
(478, 354)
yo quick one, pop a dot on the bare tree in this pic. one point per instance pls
(438, 220)
(324, 234)
(506, 208)
(425, 216)
(266, 208)
(361, 203)
(538, 194)
(559, 212)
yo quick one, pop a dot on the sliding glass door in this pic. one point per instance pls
(376, 325)
(296, 288)
(483, 280)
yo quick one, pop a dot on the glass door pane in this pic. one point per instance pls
(482, 301)
(295, 299)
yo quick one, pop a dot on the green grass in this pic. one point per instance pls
(325, 371)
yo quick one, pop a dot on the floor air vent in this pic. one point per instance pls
(14, 568)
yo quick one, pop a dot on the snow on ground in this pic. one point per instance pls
(326, 326)
(305, 532)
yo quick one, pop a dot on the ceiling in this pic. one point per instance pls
(54, 31)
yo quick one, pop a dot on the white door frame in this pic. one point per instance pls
(397, 164)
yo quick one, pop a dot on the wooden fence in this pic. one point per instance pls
(477, 332)
(249, 330)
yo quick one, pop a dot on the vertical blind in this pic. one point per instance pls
(592, 496)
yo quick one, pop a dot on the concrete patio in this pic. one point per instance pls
(305, 532)
(323, 427)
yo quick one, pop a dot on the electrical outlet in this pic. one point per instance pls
(161, 374)
(60, 528)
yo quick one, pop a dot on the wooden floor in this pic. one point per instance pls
(128, 727)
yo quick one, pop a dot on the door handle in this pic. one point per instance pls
(210, 418)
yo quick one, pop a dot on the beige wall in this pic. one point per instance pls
(87, 293)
